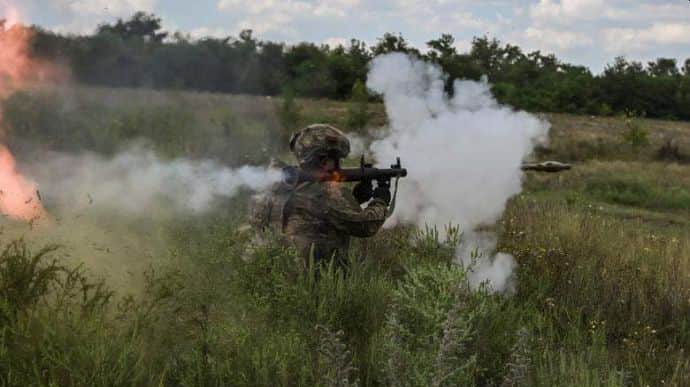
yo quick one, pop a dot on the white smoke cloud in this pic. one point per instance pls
(112, 214)
(357, 145)
(463, 154)
(137, 181)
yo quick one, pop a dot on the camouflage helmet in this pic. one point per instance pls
(319, 140)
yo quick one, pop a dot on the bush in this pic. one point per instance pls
(605, 110)
(636, 136)
(440, 332)
(670, 151)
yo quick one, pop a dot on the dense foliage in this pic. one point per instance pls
(137, 53)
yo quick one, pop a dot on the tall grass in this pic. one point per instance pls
(602, 295)
(591, 275)
(599, 302)
(586, 312)
(57, 330)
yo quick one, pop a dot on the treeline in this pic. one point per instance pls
(138, 53)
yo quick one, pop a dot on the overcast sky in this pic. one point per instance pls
(587, 32)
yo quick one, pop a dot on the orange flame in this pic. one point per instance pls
(19, 197)
(336, 176)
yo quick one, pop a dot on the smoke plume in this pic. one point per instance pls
(112, 214)
(463, 154)
(138, 181)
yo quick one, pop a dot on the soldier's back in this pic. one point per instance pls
(318, 218)
(309, 223)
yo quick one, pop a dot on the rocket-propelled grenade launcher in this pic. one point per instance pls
(365, 172)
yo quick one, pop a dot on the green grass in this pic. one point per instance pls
(634, 192)
(602, 295)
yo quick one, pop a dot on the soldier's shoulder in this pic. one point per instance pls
(311, 189)
(335, 195)
(266, 208)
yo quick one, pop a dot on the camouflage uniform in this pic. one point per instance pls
(317, 218)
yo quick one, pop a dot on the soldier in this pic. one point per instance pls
(319, 218)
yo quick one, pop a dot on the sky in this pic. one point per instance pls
(583, 32)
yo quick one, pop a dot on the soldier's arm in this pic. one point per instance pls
(353, 220)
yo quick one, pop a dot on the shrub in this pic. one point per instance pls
(636, 135)
(438, 332)
(670, 151)
(605, 109)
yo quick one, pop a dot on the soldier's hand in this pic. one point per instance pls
(383, 192)
(363, 191)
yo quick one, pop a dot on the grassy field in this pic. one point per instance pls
(603, 282)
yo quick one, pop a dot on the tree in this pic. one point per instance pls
(442, 49)
(141, 25)
(393, 43)
(137, 53)
(272, 68)
(486, 54)
(308, 70)
(359, 57)
(663, 67)
(289, 111)
(623, 86)
(358, 111)
(242, 74)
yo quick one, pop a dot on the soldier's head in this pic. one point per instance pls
(319, 146)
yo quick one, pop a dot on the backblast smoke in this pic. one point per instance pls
(138, 182)
(113, 213)
(463, 154)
